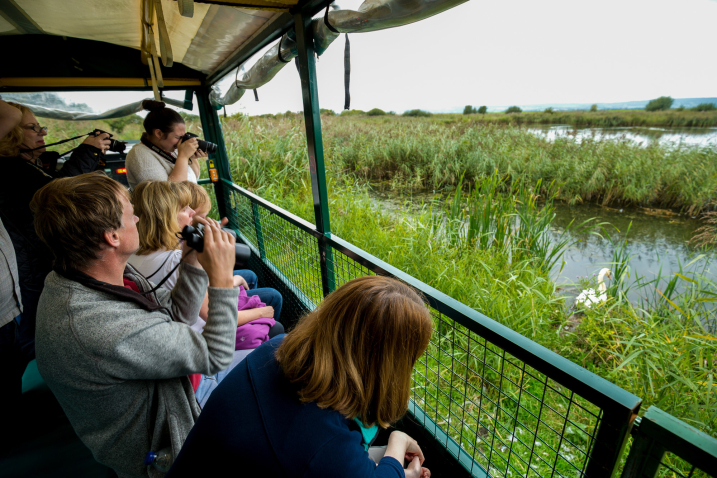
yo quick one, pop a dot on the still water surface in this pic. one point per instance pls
(657, 244)
(640, 135)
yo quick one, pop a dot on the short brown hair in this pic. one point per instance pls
(356, 351)
(10, 144)
(156, 204)
(200, 196)
(73, 214)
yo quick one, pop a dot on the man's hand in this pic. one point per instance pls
(218, 256)
(101, 141)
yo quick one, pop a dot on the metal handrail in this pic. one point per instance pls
(658, 433)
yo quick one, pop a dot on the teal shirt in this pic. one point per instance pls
(367, 433)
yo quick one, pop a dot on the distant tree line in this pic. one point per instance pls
(471, 110)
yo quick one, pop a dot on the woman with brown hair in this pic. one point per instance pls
(309, 404)
(162, 155)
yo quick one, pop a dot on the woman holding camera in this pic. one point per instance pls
(162, 155)
(309, 404)
(23, 174)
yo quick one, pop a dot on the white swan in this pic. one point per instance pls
(589, 297)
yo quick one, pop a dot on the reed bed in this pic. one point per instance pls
(602, 119)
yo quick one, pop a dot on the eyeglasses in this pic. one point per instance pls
(37, 128)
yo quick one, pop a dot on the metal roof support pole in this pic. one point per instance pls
(312, 120)
(213, 132)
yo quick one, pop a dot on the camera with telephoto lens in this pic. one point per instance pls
(194, 237)
(115, 145)
(205, 146)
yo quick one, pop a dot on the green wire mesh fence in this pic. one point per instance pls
(501, 404)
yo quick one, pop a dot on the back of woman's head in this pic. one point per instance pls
(200, 196)
(160, 117)
(156, 204)
(356, 351)
(10, 144)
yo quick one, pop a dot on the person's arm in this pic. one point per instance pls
(243, 316)
(9, 118)
(344, 456)
(150, 346)
(185, 150)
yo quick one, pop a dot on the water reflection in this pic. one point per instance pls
(640, 135)
(657, 245)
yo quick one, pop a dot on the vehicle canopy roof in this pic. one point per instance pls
(110, 44)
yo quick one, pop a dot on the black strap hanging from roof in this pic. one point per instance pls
(256, 95)
(347, 60)
(326, 20)
(347, 73)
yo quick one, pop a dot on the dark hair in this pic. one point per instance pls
(72, 215)
(356, 351)
(160, 117)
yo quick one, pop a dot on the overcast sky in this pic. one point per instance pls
(509, 52)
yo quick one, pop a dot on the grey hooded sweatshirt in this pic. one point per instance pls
(119, 367)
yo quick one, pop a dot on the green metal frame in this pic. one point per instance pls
(658, 433)
(312, 119)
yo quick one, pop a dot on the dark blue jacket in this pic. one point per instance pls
(255, 425)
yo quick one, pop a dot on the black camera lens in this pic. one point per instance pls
(205, 146)
(117, 146)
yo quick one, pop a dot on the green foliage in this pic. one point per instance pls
(548, 110)
(352, 113)
(417, 113)
(375, 112)
(705, 107)
(513, 109)
(327, 112)
(659, 104)
(119, 124)
(427, 154)
(190, 118)
(482, 110)
(469, 110)
(605, 118)
(593, 108)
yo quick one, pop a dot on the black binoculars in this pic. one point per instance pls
(194, 237)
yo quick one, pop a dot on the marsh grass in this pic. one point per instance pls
(604, 119)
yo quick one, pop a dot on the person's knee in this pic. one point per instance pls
(277, 329)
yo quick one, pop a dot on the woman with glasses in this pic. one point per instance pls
(23, 173)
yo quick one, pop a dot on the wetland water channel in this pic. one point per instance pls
(640, 135)
(656, 244)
